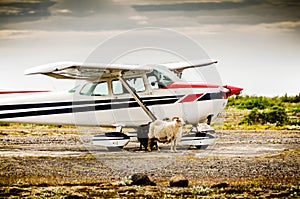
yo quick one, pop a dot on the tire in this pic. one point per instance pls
(201, 147)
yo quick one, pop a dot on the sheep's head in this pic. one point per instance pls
(179, 121)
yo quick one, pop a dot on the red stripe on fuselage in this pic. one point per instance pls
(20, 92)
(191, 98)
(190, 85)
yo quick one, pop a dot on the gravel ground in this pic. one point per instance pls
(268, 158)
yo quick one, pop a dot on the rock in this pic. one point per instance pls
(179, 181)
(220, 185)
(141, 179)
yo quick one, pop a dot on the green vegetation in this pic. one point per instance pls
(250, 102)
(22, 129)
(27, 125)
(276, 111)
(275, 115)
(107, 190)
(261, 102)
(4, 124)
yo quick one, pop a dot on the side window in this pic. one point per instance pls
(158, 80)
(73, 90)
(153, 81)
(117, 87)
(101, 89)
(88, 88)
(136, 83)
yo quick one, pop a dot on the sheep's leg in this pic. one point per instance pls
(150, 144)
(140, 146)
(153, 144)
(175, 144)
(156, 145)
(172, 145)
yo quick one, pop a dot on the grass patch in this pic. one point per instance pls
(106, 190)
(259, 112)
(233, 116)
(20, 129)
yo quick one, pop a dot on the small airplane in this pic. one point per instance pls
(117, 95)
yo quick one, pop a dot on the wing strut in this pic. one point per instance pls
(137, 98)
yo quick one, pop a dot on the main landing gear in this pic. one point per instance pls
(200, 137)
(111, 140)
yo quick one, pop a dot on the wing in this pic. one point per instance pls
(178, 67)
(85, 71)
(96, 71)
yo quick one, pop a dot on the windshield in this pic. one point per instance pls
(161, 77)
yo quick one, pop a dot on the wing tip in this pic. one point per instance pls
(46, 68)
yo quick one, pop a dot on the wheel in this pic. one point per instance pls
(200, 134)
(117, 134)
(118, 148)
(201, 147)
(113, 140)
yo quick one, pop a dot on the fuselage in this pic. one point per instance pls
(107, 103)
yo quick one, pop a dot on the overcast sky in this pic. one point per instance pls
(256, 42)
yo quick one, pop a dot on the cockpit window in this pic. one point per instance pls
(95, 89)
(136, 83)
(88, 88)
(158, 80)
(153, 81)
(73, 90)
(101, 89)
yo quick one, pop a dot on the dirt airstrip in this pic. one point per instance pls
(64, 163)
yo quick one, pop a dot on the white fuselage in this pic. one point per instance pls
(194, 103)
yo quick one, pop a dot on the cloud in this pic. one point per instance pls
(219, 12)
(79, 8)
(63, 11)
(138, 17)
(285, 25)
(74, 15)
(94, 15)
(9, 11)
(143, 20)
(196, 6)
(15, 11)
(169, 2)
(43, 35)
(66, 15)
(14, 34)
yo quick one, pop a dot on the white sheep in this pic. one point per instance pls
(166, 132)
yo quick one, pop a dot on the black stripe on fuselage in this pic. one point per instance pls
(75, 103)
(102, 105)
(211, 96)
